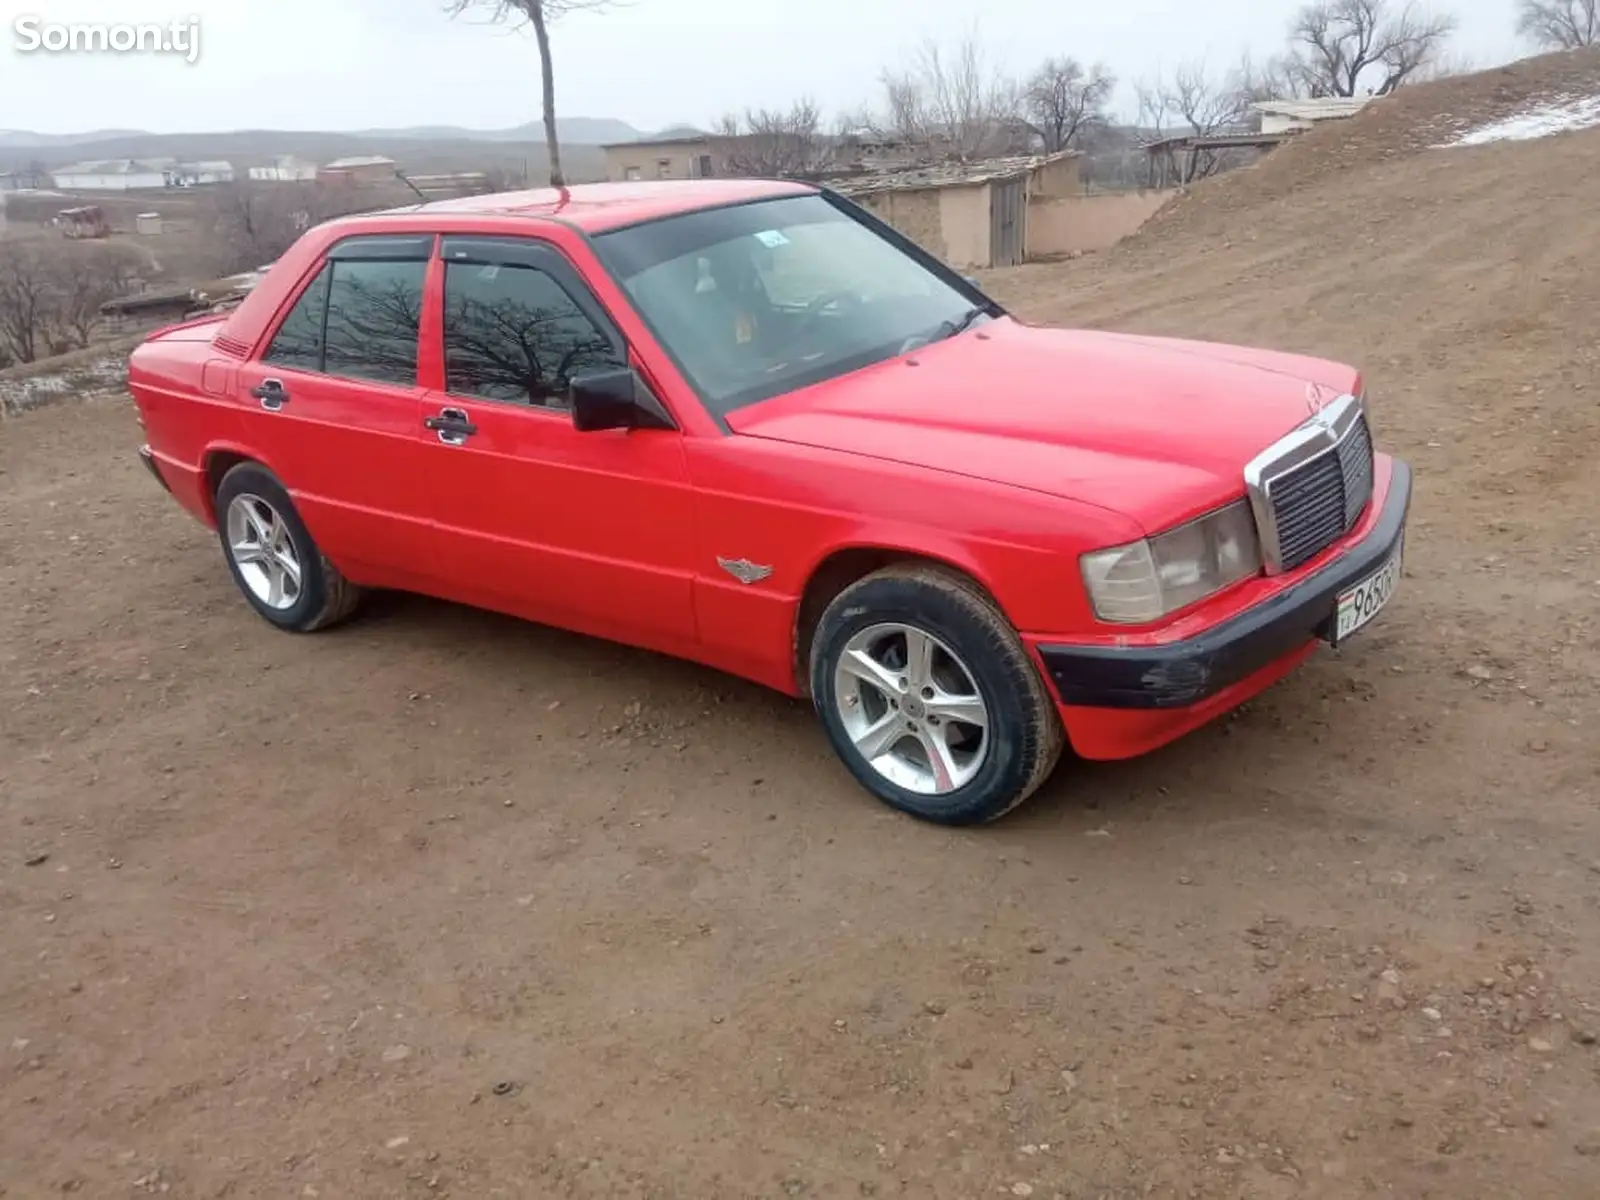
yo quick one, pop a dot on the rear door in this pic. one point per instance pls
(335, 408)
(591, 531)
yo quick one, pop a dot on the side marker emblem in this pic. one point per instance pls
(744, 570)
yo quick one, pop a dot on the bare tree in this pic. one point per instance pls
(1061, 101)
(51, 293)
(540, 14)
(773, 142)
(955, 99)
(1337, 44)
(26, 301)
(1275, 79)
(85, 278)
(1193, 102)
(1560, 24)
(249, 224)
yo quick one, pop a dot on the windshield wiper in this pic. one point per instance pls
(949, 329)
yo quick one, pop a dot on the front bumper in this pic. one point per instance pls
(1189, 672)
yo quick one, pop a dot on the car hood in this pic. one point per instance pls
(1159, 429)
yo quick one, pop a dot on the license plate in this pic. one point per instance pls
(1358, 604)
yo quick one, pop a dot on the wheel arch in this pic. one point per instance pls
(844, 565)
(216, 462)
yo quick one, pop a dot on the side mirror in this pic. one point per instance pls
(615, 398)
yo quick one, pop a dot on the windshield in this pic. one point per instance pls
(758, 299)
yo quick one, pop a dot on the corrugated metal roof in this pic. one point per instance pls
(645, 143)
(942, 175)
(361, 160)
(1324, 109)
(116, 166)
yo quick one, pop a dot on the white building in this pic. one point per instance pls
(188, 174)
(112, 175)
(1282, 116)
(286, 168)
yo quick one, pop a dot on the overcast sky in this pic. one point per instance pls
(346, 64)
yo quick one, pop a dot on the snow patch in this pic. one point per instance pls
(94, 378)
(1560, 114)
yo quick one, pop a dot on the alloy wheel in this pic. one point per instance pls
(911, 708)
(262, 550)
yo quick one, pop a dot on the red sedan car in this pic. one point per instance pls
(746, 423)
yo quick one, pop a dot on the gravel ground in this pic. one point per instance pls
(444, 904)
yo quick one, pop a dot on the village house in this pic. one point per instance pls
(691, 156)
(192, 174)
(1293, 116)
(285, 168)
(139, 174)
(112, 175)
(358, 168)
(695, 155)
(969, 214)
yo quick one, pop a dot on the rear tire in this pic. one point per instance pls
(929, 697)
(272, 557)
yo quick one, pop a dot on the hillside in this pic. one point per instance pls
(1463, 280)
(575, 131)
(24, 139)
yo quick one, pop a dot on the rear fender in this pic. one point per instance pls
(218, 457)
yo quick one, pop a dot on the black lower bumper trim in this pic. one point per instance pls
(149, 461)
(1182, 673)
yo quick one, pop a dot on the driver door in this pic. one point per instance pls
(587, 531)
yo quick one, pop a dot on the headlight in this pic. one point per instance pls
(1143, 581)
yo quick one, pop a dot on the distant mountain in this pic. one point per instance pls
(244, 148)
(23, 139)
(573, 131)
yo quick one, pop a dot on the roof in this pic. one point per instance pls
(596, 207)
(116, 166)
(210, 164)
(679, 139)
(360, 160)
(942, 175)
(1216, 141)
(1327, 108)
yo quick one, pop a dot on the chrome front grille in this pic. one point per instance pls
(1309, 488)
(1355, 465)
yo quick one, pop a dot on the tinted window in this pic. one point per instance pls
(513, 333)
(374, 308)
(298, 342)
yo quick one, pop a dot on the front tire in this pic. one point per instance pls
(929, 697)
(271, 555)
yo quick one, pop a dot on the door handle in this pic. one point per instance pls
(271, 393)
(451, 425)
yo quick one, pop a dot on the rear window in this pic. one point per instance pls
(358, 319)
(374, 310)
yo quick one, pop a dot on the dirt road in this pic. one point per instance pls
(441, 904)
